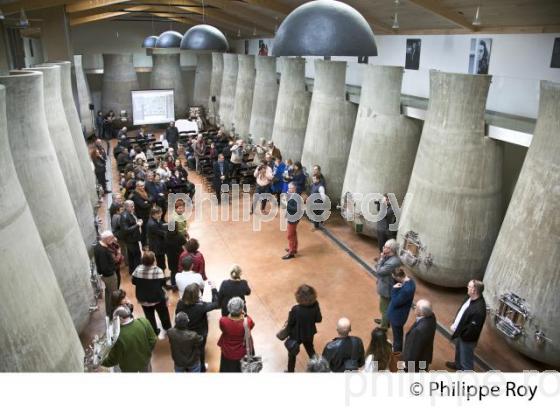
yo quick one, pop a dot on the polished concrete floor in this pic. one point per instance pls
(343, 286)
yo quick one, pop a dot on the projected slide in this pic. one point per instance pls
(153, 107)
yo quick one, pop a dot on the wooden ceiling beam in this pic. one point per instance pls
(95, 15)
(30, 5)
(484, 30)
(436, 8)
(87, 5)
(271, 5)
(241, 11)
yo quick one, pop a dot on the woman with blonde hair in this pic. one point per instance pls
(234, 287)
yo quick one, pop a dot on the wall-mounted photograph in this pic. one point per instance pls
(412, 61)
(479, 56)
(555, 60)
(363, 59)
(263, 48)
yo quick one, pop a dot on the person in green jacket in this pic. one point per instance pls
(132, 351)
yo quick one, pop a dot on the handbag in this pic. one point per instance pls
(283, 333)
(292, 346)
(250, 363)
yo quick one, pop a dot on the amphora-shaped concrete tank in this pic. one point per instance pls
(244, 90)
(166, 74)
(215, 87)
(36, 330)
(383, 148)
(76, 128)
(119, 79)
(61, 138)
(292, 109)
(44, 187)
(264, 99)
(523, 274)
(330, 126)
(451, 218)
(227, 92)
(84, 96)
(202, 79)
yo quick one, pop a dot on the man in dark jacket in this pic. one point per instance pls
(467, 327)
(345, 352)
(419, 343)
(156, 231)
(105, 263)
(384, 232)
(185, 345)
(402, 296)
(172, 135)
(388, 263)
(221, 175)
(130, 229)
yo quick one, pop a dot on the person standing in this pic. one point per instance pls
(156, 231)
(106, 267)
(231, 288)
(402, 296)
(221, 176)
(301, 324)
(174, 242)
(187, 276)
(232, 339)
(291, 214)
(378, 353)
(387, 264)
(419, 343)
(199, 148)
(383, 225)
(467, 326)
(130, 229)
(99, 120)
(345, 352)
(198, 263)
(317, 189)
(278, 177)
(142, 205)
(263, 176)
(185, 345)
(132, 351)
(172, 135)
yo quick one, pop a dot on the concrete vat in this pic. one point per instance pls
(166, 74)
(292, 109)
(202, 78)
(264, 99)
(383, 147)
(523, 274)
(450, 222)
(42, 182)
(84, 96)
(119, 79)
(244, 95)
(330, 126)
(36, 330)
(227, 91)
(215, 87)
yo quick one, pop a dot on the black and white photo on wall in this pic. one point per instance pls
(479, 55)
(263, 48)
(555, 60)
(363, 59)
(412, 60)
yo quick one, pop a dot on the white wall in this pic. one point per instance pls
(517, 63)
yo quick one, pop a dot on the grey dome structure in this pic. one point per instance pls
(169, 39)
(324, 28)
(204, 37)
(150, 42)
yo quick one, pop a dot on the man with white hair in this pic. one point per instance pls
(345, 352)
(130, 229)
(105, 263)
(387, 265)
(199, 148)
(419, 343)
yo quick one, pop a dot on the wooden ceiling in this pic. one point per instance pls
(259, 18)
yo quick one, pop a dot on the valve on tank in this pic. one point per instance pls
(511, 315)
(413, 252)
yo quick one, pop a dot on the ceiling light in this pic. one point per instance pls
(395, 25)
(477, 21)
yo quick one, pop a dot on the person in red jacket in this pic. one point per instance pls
(198, 263)
(232, 340)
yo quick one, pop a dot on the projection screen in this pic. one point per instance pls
(153, 107)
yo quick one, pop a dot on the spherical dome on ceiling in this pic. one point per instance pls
(204, 37)
(150, 42)
(169, 39)
(324, 28)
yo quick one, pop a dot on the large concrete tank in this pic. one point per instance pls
(450, 222)
(523, 274)
(84, 96)
(61, 138)
(292, 109)
(383, 147)
(264, 99)
(76, 129)
(43, 185)
(166, 74)
(215, 87)
(119, 79)
(330, 126)
(202, 79)
(227, 91)
(36, 330)
(244, 95)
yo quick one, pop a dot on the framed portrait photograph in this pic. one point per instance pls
(555, 60)
(479, 55)
(263, 48)
(363, 59)
(412, 60)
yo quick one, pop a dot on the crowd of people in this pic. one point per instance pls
(161, 261)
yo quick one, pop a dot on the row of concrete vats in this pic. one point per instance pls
(47, 226)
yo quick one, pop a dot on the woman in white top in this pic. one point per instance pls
(379, 352)
(163, 171)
